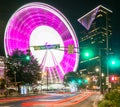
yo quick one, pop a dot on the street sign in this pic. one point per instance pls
(70, 49)
(43, 47)
(107, 80)
(36, 47)
(109, 85)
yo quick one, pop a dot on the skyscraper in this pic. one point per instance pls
(98, 28)
(97, 32)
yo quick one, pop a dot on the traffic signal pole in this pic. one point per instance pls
(107, 51)
(100, 72)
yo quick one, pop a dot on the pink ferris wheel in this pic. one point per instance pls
(48, 34)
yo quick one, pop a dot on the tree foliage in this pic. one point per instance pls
(73, 77)
(69, 77)
(24, 71)
(111, 99)
(2, 83)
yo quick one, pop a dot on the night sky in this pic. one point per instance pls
(72, 9)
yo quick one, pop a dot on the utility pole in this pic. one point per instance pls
(107, 51)
(5, 76)
(100, 71)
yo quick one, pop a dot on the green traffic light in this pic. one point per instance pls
(113, 62)
(87, 54)
(27, 57)
(80, 81)
(73, 81)
(85, 81)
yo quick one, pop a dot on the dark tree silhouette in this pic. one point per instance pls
(20, 69)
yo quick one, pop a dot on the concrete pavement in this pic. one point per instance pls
(98, 98)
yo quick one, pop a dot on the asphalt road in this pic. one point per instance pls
(55, 100)
(89, 102)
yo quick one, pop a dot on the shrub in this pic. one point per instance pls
(111, 99)
(105, 103)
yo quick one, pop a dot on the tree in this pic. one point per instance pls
(84, 80)
(2, 83)
(111, 99)
(21, 69)
(73, 77)
(70, 77)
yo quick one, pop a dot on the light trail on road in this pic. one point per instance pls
(61, 103)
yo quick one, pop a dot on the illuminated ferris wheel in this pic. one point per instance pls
(48, 34)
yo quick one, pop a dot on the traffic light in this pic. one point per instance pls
(113, 78)
(113, 62)
(87, 53)
(27, 57)
(73, 81)
(79, 81)
(85, 81)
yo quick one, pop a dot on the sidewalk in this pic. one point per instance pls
(99, 98)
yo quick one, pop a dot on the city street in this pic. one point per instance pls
(53, 100)
(59, 53)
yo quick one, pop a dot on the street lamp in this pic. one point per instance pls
(102, 75)
(97, 69)
(100, 78)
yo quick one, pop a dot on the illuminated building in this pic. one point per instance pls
(97, 32)
(97, 23)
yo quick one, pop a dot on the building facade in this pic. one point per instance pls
(96, 36)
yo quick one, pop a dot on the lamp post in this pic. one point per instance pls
(100, 76)
(100, 70)
(102, 82)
